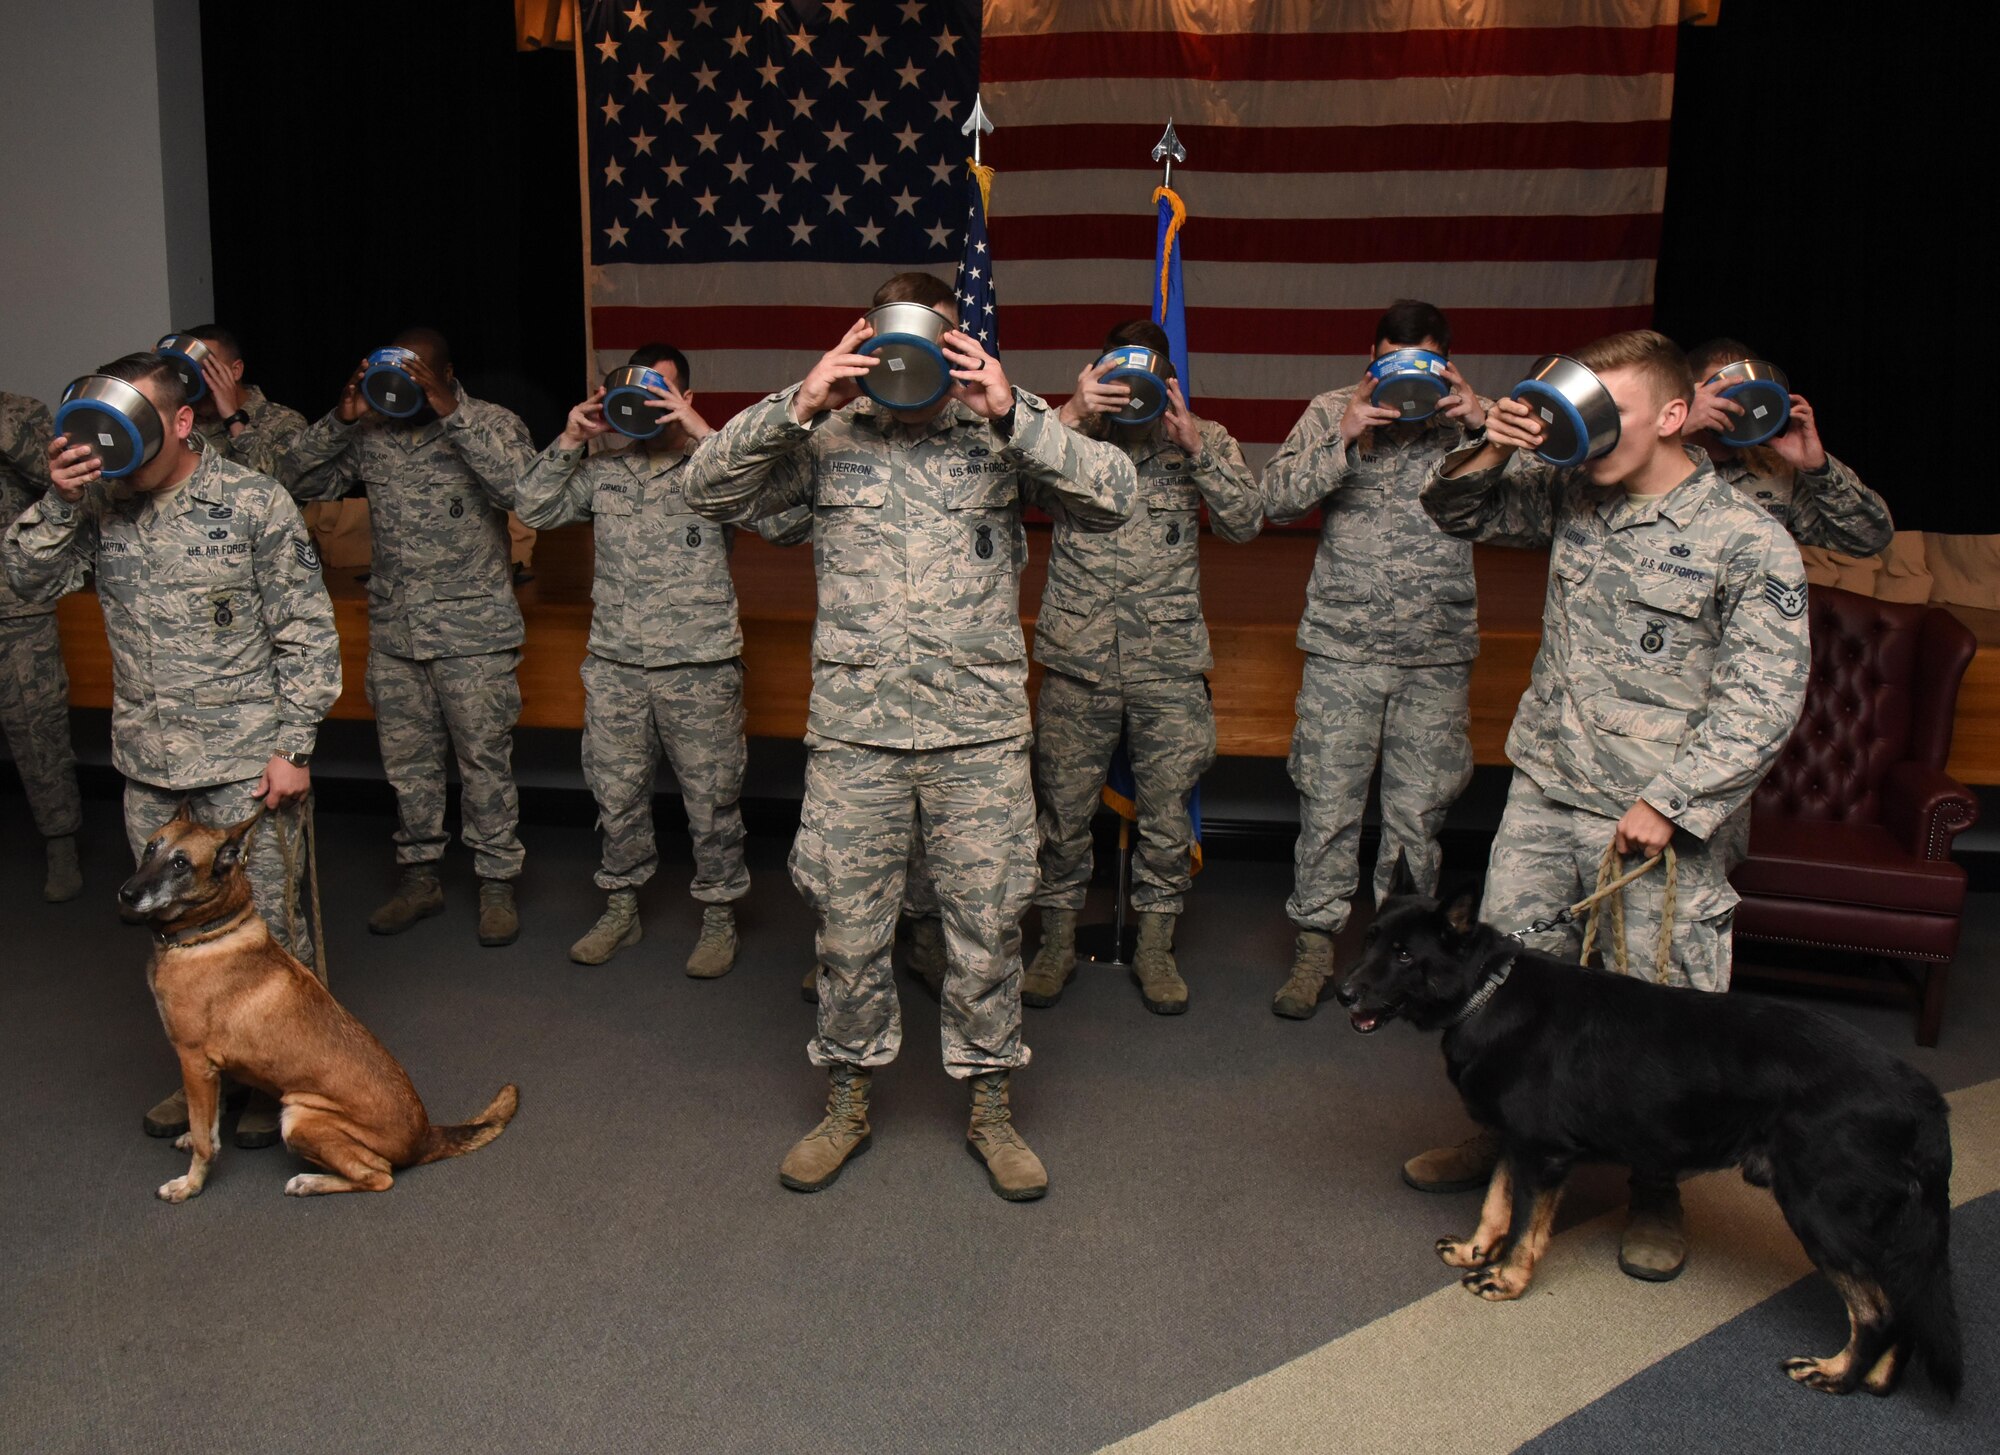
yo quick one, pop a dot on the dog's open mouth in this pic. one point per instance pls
(1369, 1021)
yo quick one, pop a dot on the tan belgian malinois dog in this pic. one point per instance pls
(234, 1001)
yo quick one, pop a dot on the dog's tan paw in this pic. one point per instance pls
(179, 1190)
(1828, 1375)
(184, 1142)
(1463, 1253)
(1497, 1285)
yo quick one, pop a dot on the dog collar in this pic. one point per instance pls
(1477, 1001)
(215, 929)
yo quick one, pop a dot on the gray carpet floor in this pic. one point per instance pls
(622, 1272)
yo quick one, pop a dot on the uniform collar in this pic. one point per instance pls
(883, 423)
(1679, 505)
(203, 487)
(645, 465)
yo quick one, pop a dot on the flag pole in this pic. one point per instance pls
(1169, 149)
(975, 124)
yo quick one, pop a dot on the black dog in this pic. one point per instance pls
(1574, 1065)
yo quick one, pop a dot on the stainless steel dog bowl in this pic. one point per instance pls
(1577, 410)
(1766, 396)
(186, 352)
(387, 385)
(120, 424)
(628, 401)
(1411, 382)
(913, 373)
(1144, 372)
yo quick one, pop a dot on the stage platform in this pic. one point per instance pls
(1254, 595)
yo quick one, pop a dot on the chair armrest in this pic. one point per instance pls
(1925, 808)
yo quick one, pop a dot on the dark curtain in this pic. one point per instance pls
(1819, 196)
(376, 166)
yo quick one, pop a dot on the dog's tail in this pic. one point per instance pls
(443, 1142)
(1918, 1272)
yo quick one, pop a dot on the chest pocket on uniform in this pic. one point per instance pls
(982, 513)
(1661, 620)
(847, 522)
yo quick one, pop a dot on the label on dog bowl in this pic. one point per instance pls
(896, 366)
(1759, 412)
(105, 440)
(1548, 415)
(390, 395)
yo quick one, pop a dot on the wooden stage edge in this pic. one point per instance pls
(1253, 594)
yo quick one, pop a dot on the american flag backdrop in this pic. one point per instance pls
(754, 170)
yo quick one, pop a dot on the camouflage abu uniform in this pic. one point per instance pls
(1122, 636)
(1390, 630)
(444, 630)
(919, 711)
(1829, 508)
(267, 436)
(663, 669)
(1672, 668)
(34, 686)
(223, 650)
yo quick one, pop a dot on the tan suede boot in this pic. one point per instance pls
(499, 922)
(169, 1116)
(1160, 983)
(418, 896)
(1455, 1169)
(615, 929)
(1655, 1246)
(927, 953)
(257, 1123)
(1312, 967)
(715, 951)
(1014, 1171)
(65, 875)
(1055, 962)
(842, 1133)
(809, 987)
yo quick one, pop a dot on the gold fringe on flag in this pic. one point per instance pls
(1167, 252)
(984, 175)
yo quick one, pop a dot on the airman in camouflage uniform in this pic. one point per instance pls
(919, 714)
(664, 668)
(1804, 488)
(1124, 645)
(1390, 630)
(263, 434)
(1672, 669)
(224, 656)
(34, 687)
(444, 630)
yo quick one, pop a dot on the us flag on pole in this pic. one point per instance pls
(755, 170)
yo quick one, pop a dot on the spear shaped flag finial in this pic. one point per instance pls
(1169, 150)
(975, 124)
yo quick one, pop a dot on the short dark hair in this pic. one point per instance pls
(1410, 321)
(215, 333)
(430, 337)
(651, 356)
(1705, 359)
(925, 288)
(1653, 354)
(154, 370)
(1141, 331)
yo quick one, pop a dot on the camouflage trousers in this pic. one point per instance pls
(974, 810)
(1546, 855)
(148, 809)
(425, 710)
(1416, 721)
(34, 715)
(1730, 843)
(694, 713)
(1169, 728)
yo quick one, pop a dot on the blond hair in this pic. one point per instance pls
(1653, 354)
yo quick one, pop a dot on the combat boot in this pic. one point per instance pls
(1312, 967)
(927, 952)
(65, 879)
(1055, 961)
(615, 929)
(842, 1133)
(499, 922)
(1455, 1169)
(1160, 983)
(1655, 1244)
(257, 1123)
(715, 951)
(1014, 1171)
(418, 896)
(169, 1117)
(809, 987)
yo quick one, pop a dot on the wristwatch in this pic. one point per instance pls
(298, 760)
(242, 417)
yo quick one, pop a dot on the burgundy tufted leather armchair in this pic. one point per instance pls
(1850, 841)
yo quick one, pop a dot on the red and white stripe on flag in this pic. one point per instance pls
(1503, 159)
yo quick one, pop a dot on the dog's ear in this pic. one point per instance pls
(1402, 881)
(1462, 911)
(235, 843)
(181, 814)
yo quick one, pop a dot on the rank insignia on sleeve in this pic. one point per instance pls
(1788, 597)
(307, 556)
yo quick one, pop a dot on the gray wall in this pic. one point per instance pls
(103, 185)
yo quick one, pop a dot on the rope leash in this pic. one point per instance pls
(304, 835)
(1611, 887)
